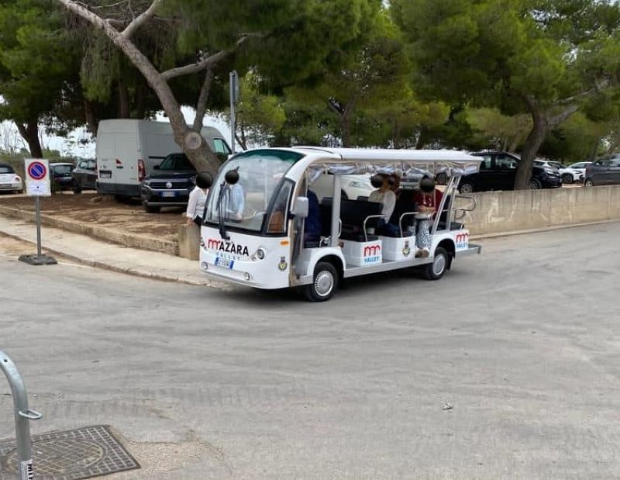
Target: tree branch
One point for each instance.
(561, 117)
(201, 106)
(207, 62)
(93, 18)
(141, 19)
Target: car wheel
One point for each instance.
(151, 208)
(535, 184)
(324, 283)
(441, 178)
(568, 179)
(466, 187)
(436, 270)
(588, 183)
(77, 189)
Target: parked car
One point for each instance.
(499, 170)
(353, 186)
(549, 163)
(9, 180)
(128, 150)
(605, 171)
(85, 176)
(61, 175)
(574, 173)
(169, 185)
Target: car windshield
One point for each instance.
(6, 169)
(245, 204)
(62, 169)
(556, 165)
(176, 162)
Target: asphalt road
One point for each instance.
(506, 368)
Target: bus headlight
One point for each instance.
(247, 277)
(205, 266)
(260, 254)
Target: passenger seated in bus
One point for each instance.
(427, 201)
(312, 223)
(386, 196)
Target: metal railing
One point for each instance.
(23, 415)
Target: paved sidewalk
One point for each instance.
(88, 251)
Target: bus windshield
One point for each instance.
(245, 204)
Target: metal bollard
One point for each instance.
(23, 415)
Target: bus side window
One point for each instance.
(277, 221)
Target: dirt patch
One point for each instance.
(92, 209)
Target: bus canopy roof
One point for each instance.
(350, 161)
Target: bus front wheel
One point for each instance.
(324, 283)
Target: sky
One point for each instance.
(73, 145)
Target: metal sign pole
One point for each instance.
(234, 98)
(37, 185)
(38, 208)
(23, 415)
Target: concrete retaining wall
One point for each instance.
(95, 231)
(496, 213)
(501, 212)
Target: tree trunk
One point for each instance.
(91, 118)
(396, 134)
(192, 143)
(30, 133)
(124, 106)
(422, 138)
(594, 149)
(241, 139)
(140, 103)
(533, 142)
(515, 143)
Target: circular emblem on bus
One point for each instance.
(169, 185)
(406, 249)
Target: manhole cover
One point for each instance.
(72, 455)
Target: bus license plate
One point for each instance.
(224, 262)
(168, 194)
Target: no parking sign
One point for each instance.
(37, 177)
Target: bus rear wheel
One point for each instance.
(441, 262)
(324, 283)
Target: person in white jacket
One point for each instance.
(197, 200)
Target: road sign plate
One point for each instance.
(37, 177)
(37, 170)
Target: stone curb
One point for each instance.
(136, 272)
(113, 236)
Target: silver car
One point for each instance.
(9, 180)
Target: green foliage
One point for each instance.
(38, 59)
(473, 49)
(258, 115)
(499, 131)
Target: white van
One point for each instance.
(128, 150)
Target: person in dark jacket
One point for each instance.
(312, 223)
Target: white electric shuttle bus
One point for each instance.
(261, 203)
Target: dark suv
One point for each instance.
(169, 185)
(604, 171)
(498, 171)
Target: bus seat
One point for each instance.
(353, 213)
